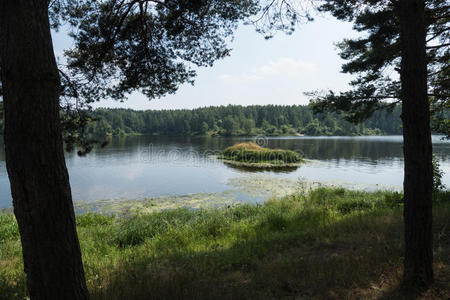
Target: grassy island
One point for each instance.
(252, 155)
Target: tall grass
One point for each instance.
(328, 243)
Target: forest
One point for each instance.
(59, 57)
(236, 120)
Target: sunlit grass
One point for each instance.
(328, 242)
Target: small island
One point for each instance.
(251, 155)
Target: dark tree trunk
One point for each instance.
(34, 153)
(417, 147)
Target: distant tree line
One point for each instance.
(236, 120)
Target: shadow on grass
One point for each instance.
(284, 249)
(337, 260)
(359, 256)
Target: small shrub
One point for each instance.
(8, 227)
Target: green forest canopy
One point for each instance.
(233, 120)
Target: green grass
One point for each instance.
(327, 243)
(248, 154)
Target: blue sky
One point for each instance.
(259, 71)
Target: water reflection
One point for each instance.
(151, 166)
(277, 170)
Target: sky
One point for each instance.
(258, 71)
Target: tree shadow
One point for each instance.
(357, 257)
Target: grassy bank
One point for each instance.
(327, 243)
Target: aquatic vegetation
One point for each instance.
(156, 204)
(266, 186)
(251, 188)
(301, 243)
(252, 155)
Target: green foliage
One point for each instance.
(230, 125)
(440, 114)
(236, 120)
(144, 45)
(120, 47)
(8, 227)
(376, 54)
(205, 128)
(437, 176)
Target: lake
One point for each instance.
(139, 167)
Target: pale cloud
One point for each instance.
(284, 67)
(262, 72)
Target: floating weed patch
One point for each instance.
(157, 204)
(244, 189)
(260, 185)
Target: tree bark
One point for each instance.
(34, 153)
(417, 148)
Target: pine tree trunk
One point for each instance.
(417, 147)
(34, 153)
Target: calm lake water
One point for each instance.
(142, 166)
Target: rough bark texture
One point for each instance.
(417, 148)
(34, 153)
